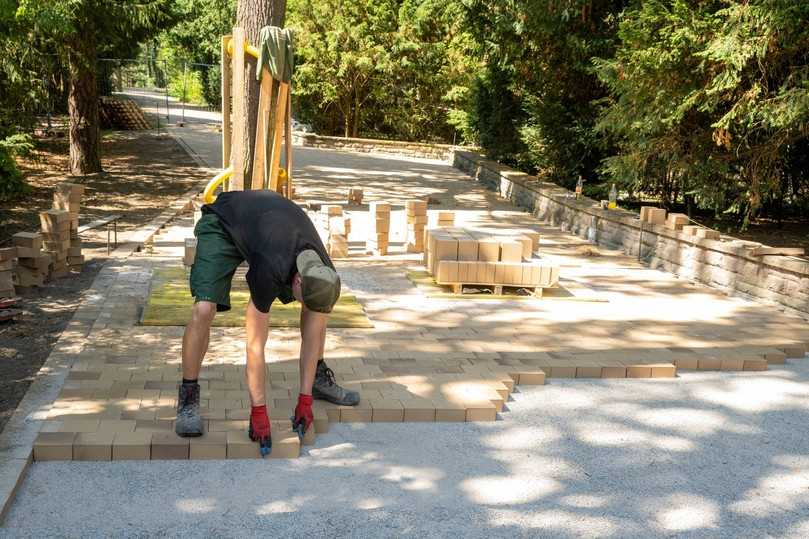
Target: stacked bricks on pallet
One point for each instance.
(56, 239)
(416, 223)
(355, 196)
(32, 264)
(456, 255)
(7, 257)
(67, 197)
(378, 228)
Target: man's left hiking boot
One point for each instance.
(325, 388)
(189, 420)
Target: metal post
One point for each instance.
(185, 84)
(166, 80)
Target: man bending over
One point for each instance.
(287, 261)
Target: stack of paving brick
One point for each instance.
(461, 256)
(416, 223)
(67, 197)
(378, 228)
(33, 265)
(355, 196)
(56, 239)
(190, 251)
(677, 222)
(7, 257)
(338, 237)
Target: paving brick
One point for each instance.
(285, 444)
(132, 446)
(93, 446)
(560, 371)
(418, 410)
(755, 364)
(117, 425)
(638, 371)
(663, 371)
(54, 446)
(688, 363)
(729, 364)
(361, 413)
(169, 446)
(211, 445)
(588, 372)
(386, 411)
(532, 378)
(80, 425)
(709, 364)
(481, 411)
(240, 446)
(449, 412)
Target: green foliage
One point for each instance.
(187, 85)
(711, 100)
(11, 181)
(539, 91)
(385, 68)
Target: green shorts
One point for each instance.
(214, 264)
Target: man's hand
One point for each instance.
(303, 415)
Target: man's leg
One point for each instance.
(195, 345)
(257, 329)
(196, 336)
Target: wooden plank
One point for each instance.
(288, 144)
(279, 114)
(262, 133)
(784, 251)
(99, 222)
(225, 83)
(239, 137)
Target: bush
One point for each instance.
(194, 89)
(11, 182)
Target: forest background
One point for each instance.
(693, 104)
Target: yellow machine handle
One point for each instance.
(248, 48)
(208, 195)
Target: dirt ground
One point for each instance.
(142, 172)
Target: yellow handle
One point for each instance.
(248, 48)
(207, 195)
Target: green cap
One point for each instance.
(320, 284)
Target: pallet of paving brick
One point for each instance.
(532, 276)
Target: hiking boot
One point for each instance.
(325, 388)
(189, 420)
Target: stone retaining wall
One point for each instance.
(724, 264)
(422, 150)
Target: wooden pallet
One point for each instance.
(122, 114)
(497, 289)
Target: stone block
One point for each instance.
(54, 446)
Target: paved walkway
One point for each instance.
(616, 458)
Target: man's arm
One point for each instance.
(256, 325)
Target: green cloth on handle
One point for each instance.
(275, 51)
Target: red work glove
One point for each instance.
(259, 423)
(303, 414)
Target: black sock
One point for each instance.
(187, 381)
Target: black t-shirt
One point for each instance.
(270, 231)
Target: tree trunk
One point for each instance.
(355, 125)
(82, 105)
(253, 15)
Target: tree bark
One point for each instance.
(253, 15)
(82, 104)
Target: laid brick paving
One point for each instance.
(426, 359)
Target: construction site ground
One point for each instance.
(698, 453)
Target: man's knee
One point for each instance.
(203, 313)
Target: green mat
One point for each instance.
(170, 302)
(425, 282)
